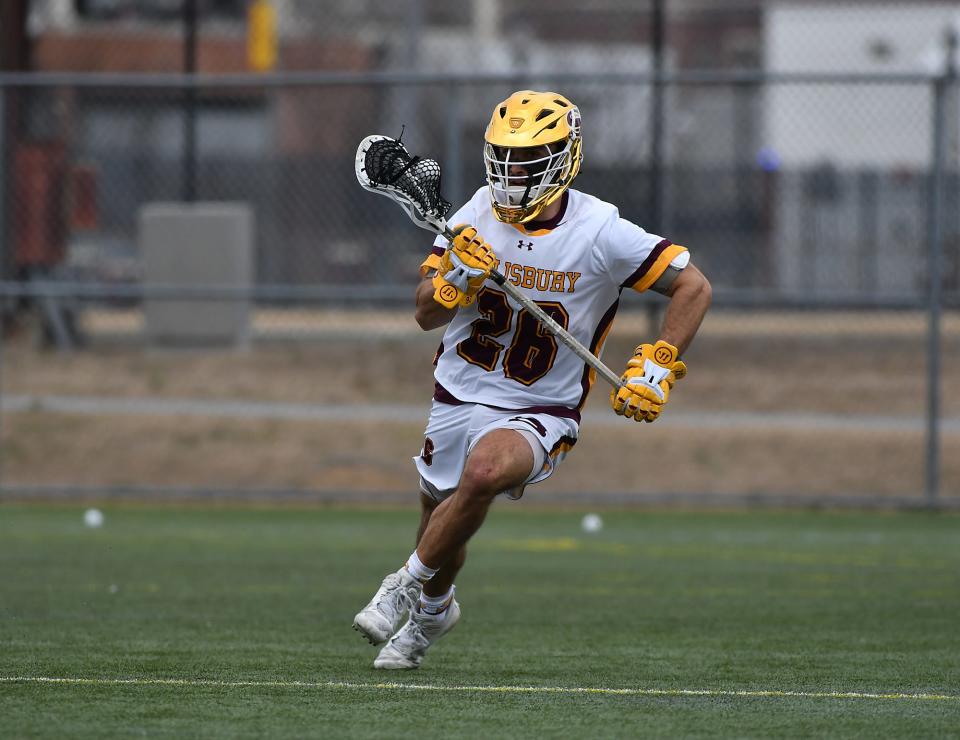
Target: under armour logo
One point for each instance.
(528, 245)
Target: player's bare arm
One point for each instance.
(654, 368)
(690, 297)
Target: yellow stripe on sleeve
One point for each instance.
(657, 268)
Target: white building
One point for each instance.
(850, 208)
(886, 125)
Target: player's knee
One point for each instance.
(478, 483)
(483, 477)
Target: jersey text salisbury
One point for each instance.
(546, 281)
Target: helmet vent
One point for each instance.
(543, 114)
(503, 111)
(524, 101)
(560, 103)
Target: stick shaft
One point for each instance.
(558, 331)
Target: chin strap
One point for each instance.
(526, 193)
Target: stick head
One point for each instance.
(385, 166)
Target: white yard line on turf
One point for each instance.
(569, 690)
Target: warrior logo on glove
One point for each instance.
(664, 354)
(646, 384)
(449, 294)
(464, 268)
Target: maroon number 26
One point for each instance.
(533, 350)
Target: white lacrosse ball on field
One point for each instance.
(591, 523)
(93, 518)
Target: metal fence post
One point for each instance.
(942, 84)
(654, 220)
(453, 167)
(655, 201)
(5, 207)
(189, 193)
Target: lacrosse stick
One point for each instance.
(385, 167)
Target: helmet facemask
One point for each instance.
(524, 180)
(532, 153)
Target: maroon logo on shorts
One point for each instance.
(427, 454)
(534, 422)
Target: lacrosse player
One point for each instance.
(508, 399)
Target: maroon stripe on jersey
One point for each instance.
(438, 251)
(436, 357)
(442, 395)
(647, 264)
(598, 335)
(564, 440)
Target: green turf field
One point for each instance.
(236, 622)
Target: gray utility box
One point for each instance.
(190, 245)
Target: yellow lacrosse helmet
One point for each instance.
(532, 153)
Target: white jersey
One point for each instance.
(495, 353)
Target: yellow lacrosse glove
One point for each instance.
(647, 381)
(463, 268)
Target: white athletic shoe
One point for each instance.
(386, 611)
(407, 648)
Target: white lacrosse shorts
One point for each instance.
(454, 430)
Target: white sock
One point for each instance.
(436, 607)
(418, 570)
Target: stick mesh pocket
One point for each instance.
(387, 162)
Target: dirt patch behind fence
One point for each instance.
(805, 364)
(42, 448)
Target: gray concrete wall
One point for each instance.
(187, 244)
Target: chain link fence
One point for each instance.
(820, 204)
